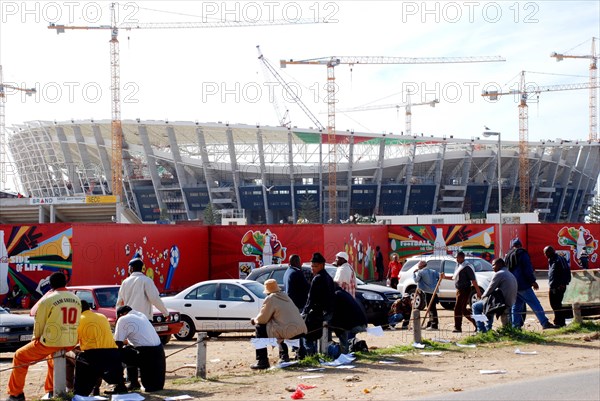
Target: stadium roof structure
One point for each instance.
(273, 174)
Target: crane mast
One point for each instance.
(334, 61)
(3, 133)
(593, 136)
(523, 92)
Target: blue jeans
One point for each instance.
(396, 318)
(527, 297)
(477, 308)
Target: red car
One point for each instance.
(103, 298)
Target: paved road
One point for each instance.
(573, 386)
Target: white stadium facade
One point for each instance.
(271, 173)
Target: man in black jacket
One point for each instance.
(348, 318)
(320, 302)
(296, 286)
(559, 276)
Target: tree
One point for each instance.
(212, 217)
(594, 211)
(308, 210)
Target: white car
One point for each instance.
(446, 265)
(217, 306)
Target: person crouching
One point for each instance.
(278, 318)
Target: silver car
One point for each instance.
(15, 330)
(446, 265)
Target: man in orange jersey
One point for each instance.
(54, 329)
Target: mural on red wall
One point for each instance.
(578, 240)
(476, 240)
(30, 253)
(265, 247)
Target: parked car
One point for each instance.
(15, 330)
(447, 265)
(375, 299)
(217, 306)
(103, 299)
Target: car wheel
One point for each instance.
(447, 305)
(213, 334)
(417, 298)
(473, 298)
(187, 331)
(165, 339)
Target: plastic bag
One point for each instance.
(388, 282)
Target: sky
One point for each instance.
(213, 74)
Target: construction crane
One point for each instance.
(116, 128)
(3, 135)
(407, 107)
(293, 95)
(593, 86)
(334, 61)
(524, 93)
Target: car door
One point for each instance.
(235, 307)
(447, 289)
(202, 305)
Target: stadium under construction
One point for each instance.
(175, 170)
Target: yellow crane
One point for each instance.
(334, 61)
(524, 92)
(116, 129)
(407, 110)
(593, 86)
(3, 136)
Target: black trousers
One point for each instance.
(151, 364)
(94, 364)
(433, 314)
(560, 314)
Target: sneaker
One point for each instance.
(404, 327)
(549, 326)
(48, 395)
(117, 389)
(392, 327)
(133, 386)
(430, 328)
(457, 331)
(20, 397)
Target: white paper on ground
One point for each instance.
(466, 345)
(310, 377)
(292, 343)
(215, 360)
(92, 398)
(435, 353)
(179, 397)
(345, 367)
(519, 352)
(441, 340)
(127, 397)
(286, 364)
(314, 369)
(480, 318)
(388, 362)
(260, 343)
(343, 359)
(376, 331)
(418, 345)
(492, 372)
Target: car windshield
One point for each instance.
(256, 288)
(331, 270)
(408, 264)
(481, 265)
(107, 297)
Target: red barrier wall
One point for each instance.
(359, 241)
(568, 239)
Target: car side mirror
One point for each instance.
(246, 298)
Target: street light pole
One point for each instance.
(487, 134)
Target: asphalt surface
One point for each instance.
(573, 386)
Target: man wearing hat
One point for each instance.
(344, 275)
(278, 318)
(320, 302)
(519, 264)
(144, 351)
(139, 292)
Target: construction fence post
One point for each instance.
(201, 355)
(60, 373)
(324, 341)
(416, 318)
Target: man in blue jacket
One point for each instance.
(427, 280)
(519, 264)
(559, 277)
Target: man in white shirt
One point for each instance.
(139, 292)
(344, 275)
(144, 350)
